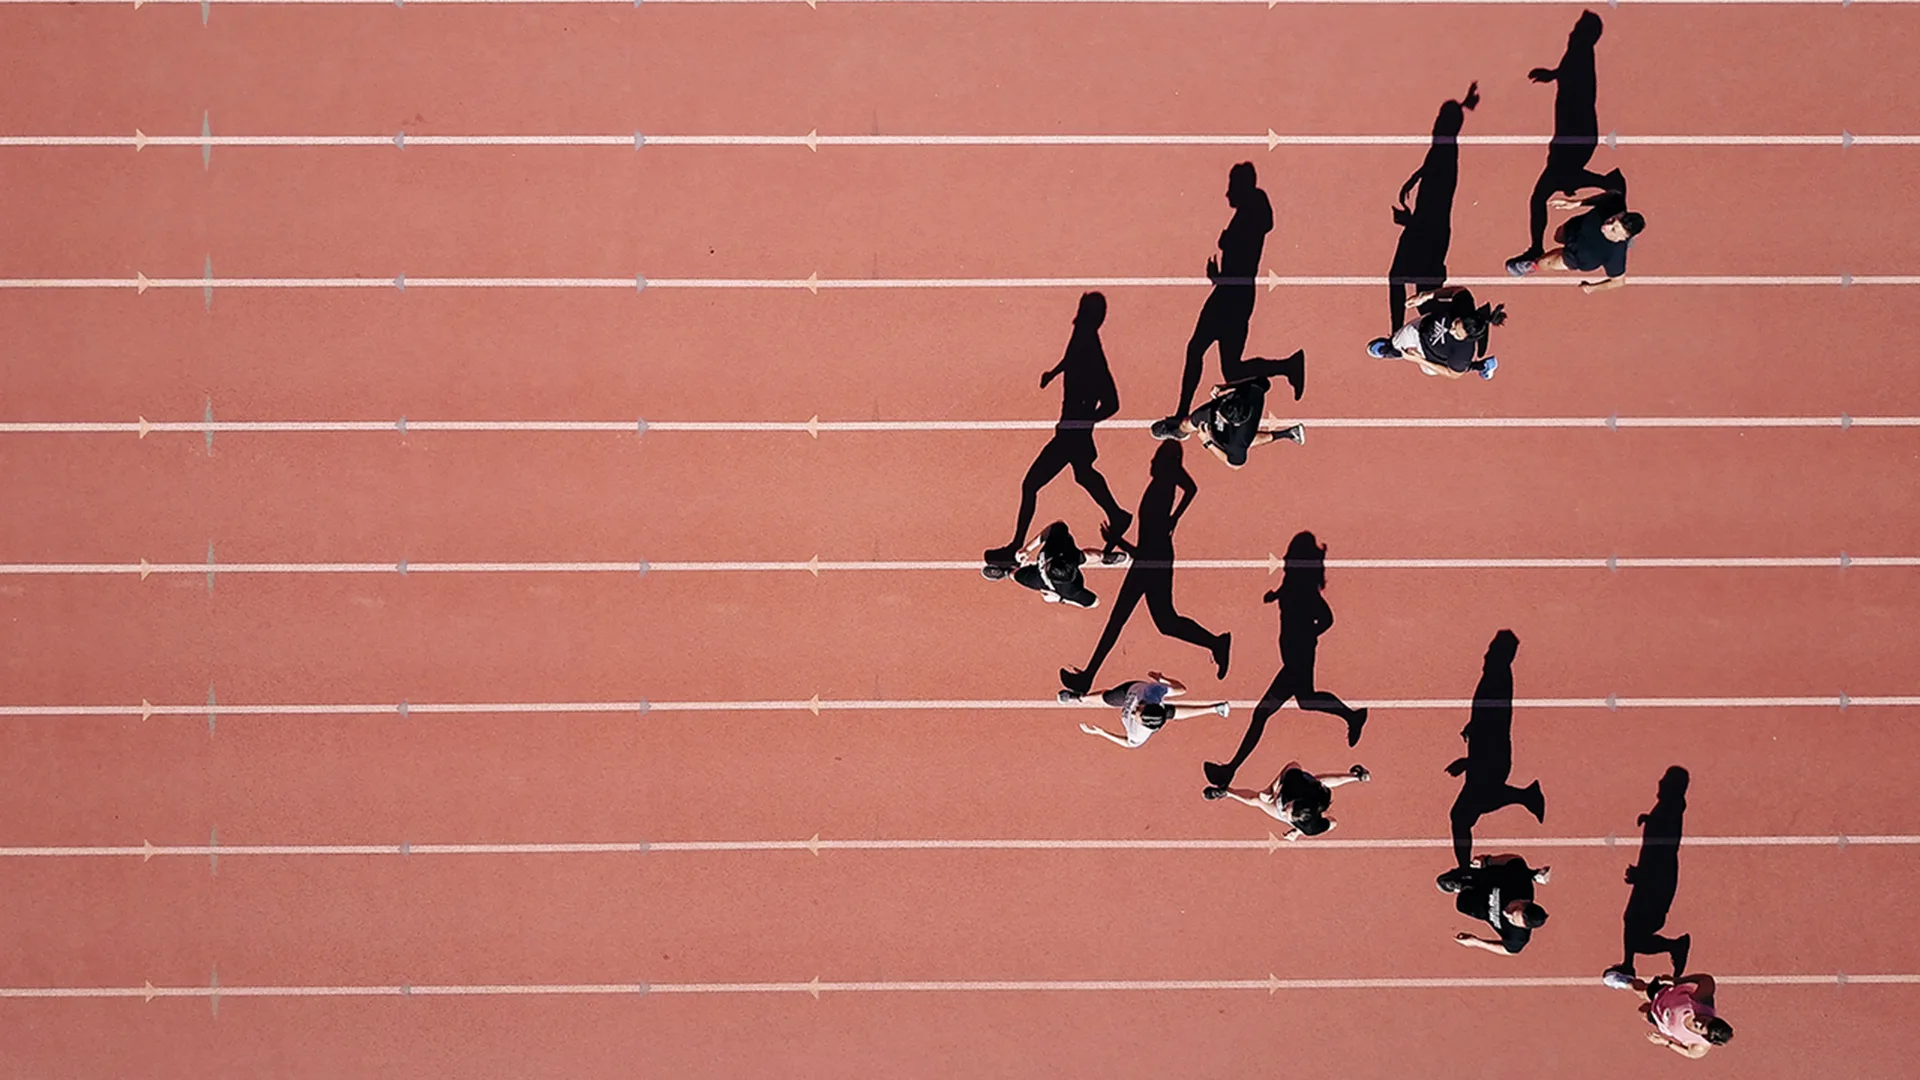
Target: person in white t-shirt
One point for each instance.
(1144, 708)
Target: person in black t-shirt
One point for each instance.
(1297, 798)
(1051, 565)
(1230, 423)
(1497, 890)
(1449, 338)
(1596, 239)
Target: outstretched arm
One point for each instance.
(1543, 75)
(1603, 286)
(1174, 686)
(1103, 733)
(1491, 945)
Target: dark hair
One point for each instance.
(1154, 715)
(1483, 319)
(1092, 312)
(1534, 916)
(1235, 407)
(1312, 803)
(1313, 824)
(1718, 1031)
(1633, 223)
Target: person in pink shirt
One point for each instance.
(1681, 1012)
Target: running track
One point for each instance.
(199, 957)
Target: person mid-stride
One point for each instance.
(1296, 798)
(1596, 239)
(1087, 396)
(1450, 336)
(1230, 423)
(1576, 136)
(1051, 565)
(1498, 890)
(1144, 708)
(1681, 1012)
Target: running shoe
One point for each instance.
(1223, 709)
(1296, 434)
(1382, 349)
(1168, 428)
(1068, 697)
(1617, 979)
(1521, 266)
(1493, 362)
(1212, 793)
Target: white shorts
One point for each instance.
(1407, 339)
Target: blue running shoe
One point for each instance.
(1381, 349)
(1493, 362)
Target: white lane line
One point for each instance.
(814, 283)
(816, 845)
(816, 705)
(816, 566)
(142, 427)
(1269, 4)
(1272, 984)
(1272, 140)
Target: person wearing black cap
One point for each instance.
(1230, 423)
(1050, 566)
(1498, 890)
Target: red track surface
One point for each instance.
(786, 917)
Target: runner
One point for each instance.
(1230, 423)
(1144, 709)
(1050, 566)
(1296, 797)
(1449, 338)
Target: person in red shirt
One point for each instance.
(1681, 1012)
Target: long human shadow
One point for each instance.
(1087, 397)
(1150, 575)
(1576, 129)
(1656, 877)
(1426, 230)
(1489, 760)
(1225, 317)
(1304, 616)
